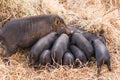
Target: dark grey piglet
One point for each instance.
(59, 48)
(78, 54)
(101, 54)
(42, 44)
(45, 58)
(68, 59)
(83, 44)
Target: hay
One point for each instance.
(93, 15)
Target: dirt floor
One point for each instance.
(92, 15)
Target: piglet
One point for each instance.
(78, 54)
(101, 54)
(68, 59)
(82, 43)
(45, 58)
(59, 48)
(41, 45)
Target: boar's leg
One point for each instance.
(5, 58)
(35, 64)
(9, 50)
(32, 60)
(108, 65)
(7, 53)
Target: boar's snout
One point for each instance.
(60, 26)
(68, 31)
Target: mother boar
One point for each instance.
(24, 32)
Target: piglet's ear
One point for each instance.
(57, 21)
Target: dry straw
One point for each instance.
(93, 15)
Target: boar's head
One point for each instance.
(59, 25)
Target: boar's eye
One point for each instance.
(57, 22)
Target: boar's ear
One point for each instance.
(57, 21)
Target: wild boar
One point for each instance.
(101, 54)
(41, 45)
(24, 32)
(59, 48)
(82, 43)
